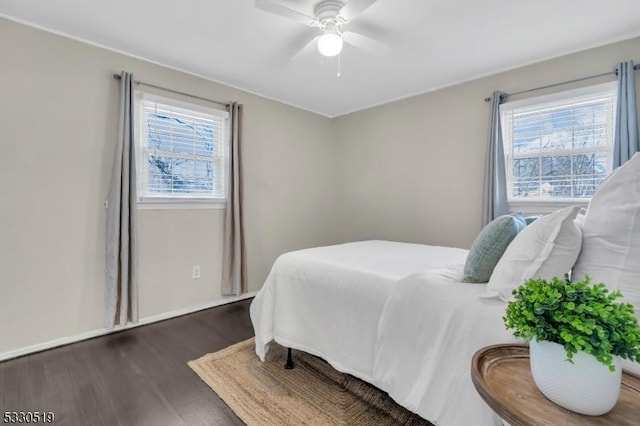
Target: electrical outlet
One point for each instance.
(195, 272)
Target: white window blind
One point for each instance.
(183, 151)
(558, 147)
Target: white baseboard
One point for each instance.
(104, 331)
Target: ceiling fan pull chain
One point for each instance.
(339, 65)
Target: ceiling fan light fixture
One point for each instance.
(330, 44)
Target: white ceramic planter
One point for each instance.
(585, 387)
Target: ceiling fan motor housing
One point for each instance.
(328, 14)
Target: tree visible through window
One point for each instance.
(183, 151)
(559, 147)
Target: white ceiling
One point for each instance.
(433, 43)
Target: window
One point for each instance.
(182, 155)
(558, 147)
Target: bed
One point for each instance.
(393, 314)
(398, 316)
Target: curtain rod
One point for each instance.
(635, 67)
(142, 83)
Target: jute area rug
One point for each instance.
(313, 393)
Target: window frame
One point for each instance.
(536, 205)
(171, 202)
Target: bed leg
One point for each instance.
(289, 364)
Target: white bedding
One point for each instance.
(393, 314)
(431, 326)
(327, 301)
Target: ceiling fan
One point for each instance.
(330, 16)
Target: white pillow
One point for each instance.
(611, 234)
(545, 249)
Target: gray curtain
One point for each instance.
(122, 247)
(494, 197)
(626, 141)
(234, 273)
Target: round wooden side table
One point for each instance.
(502, 377)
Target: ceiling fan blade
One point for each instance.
(353, 8)
(365, 43)
(307, 50)
(282, 10)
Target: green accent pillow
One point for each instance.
(489, 246)
(530, 219)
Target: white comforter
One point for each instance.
(392, 314)
(431, 326)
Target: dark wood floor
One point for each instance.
(136, 377)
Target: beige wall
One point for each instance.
(58, 108)
(412, 170)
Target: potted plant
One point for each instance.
(577, 333)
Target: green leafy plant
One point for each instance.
(577, 315)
